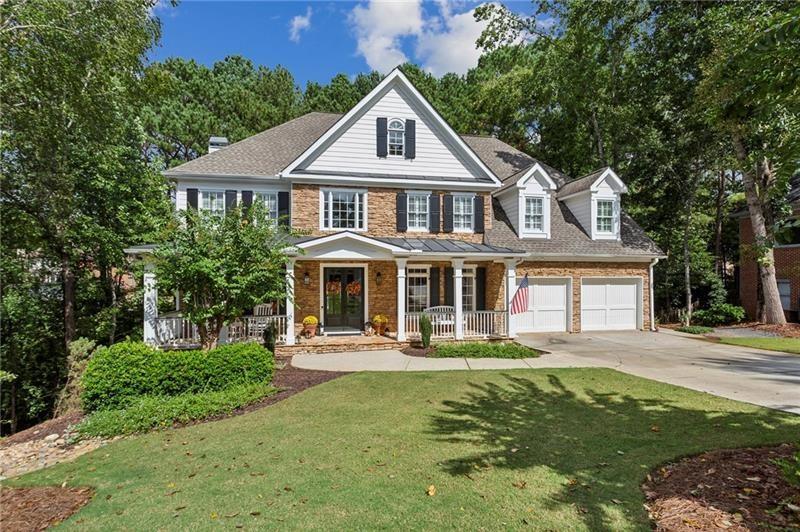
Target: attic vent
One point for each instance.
(217, 143)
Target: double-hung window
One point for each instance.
(605, 216)
(463, 212)
(397, 130)
(270, 202)
(468, 289)
(343, 209)
(418, 211)
(212, 201)
(418, 293)
(534, 214)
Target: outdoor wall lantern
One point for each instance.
(378, 278)
(306, 279)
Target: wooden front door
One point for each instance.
(344, 298)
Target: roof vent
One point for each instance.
(217, 143)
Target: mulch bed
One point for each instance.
(26, 509)
(789, 330)
(414, 351)
(37, 432)
(732, 489)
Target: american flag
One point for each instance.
(519, 303)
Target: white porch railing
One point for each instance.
(477, 324)
(250, 328)
(176, 331)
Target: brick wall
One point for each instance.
(381, 213)
(495, 284)
(787, 266)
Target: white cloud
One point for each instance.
(298, 24)
(443, 43)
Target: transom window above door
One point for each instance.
(418, 211)
(343, 209)
(396, 137)
(212, 201)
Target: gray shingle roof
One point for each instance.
(567, 236)
(581, 183)
(428, 245)
(508, 163)
(263, 154)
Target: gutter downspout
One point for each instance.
(652, 300)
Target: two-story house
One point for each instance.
(405, 216)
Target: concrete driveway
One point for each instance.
(765, 378)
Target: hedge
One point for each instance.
(152, 412)
(483, 350)
(117, 375)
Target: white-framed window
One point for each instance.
(468, 289)
(417, 288)
(534, 214)
(605, 216)
(270, 202)
(397, 132)
(344, 209)
(463, 212)
(418, 211)
(785, 292)
(212, 201)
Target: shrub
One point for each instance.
(117, 375)
(425, 330)
(150, 412)
(69, 399)
(720, 314)
(484, 350)
(695, 329)
(271, 336)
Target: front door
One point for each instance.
(344, 298)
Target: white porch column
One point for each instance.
(401, 299)
(458, 297)
(290, 302)
(150, 305)
(511, 288)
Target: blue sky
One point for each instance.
(317, 40)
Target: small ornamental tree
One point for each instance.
(222, 265)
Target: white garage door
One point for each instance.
(609, 304)
(547, 306)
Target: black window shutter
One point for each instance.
(478, 214)
(449, 286)
(480, 288)
(433, 209)
(411, 139)
(402, 212)
(230, 200)
(247, 198)
(283, 208)
(381, 134)
(434, 286)
(191, 198)
(447, 221)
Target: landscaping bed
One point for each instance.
(34, 509)
(732, 489)
(473, 350)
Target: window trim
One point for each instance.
(402, 130)
(615, 224)
(257, 193)
(784, 282)
(544, 214)
(418, 193)
(471, 197)
(202, 191)
(419, 275)
(323, 215)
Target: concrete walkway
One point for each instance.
(765, 378)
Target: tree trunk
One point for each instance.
(719, 262)
(68, 277)
(598, 139)
(209, 333)
(687, 258)
(765, 258)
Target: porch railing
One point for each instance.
(177, 331)
(477, 324)
(250, 328)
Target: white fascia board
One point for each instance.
(394, 75)
(592, 258)
(382, 181)
(212, 177)
(622, 189)
(351, 236)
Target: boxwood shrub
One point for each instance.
(117, 375)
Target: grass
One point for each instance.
(483, 350)
(787, 345)
(556, 449)
(695, 329)
(151, 412)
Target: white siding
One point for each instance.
(354, 150)
(581, 207)
(510, 203)
(223, 184)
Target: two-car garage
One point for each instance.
(605, 303)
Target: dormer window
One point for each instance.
(396, 137)
(605, 216)
(534, 214)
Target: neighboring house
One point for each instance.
(403, 215)
(787, 262)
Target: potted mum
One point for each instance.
(310, 326)
(379, 323)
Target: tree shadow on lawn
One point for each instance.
(601, 444)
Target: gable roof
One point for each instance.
(507, 162)
(263, 154)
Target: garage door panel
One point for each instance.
(593, 319)
(621, 318)
(547, 306)
(609, 303)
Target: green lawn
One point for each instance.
(787, 345)
(561, 449)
